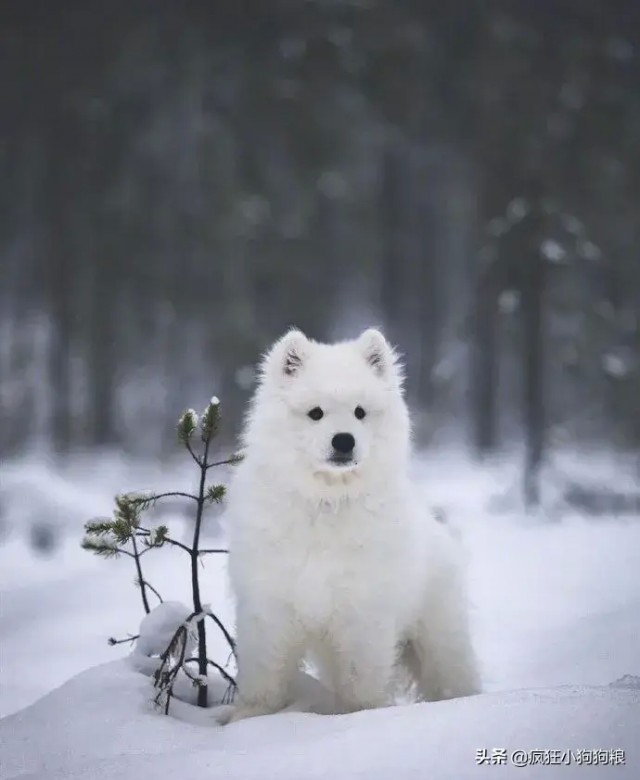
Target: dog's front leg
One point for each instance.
(361, 666)
(268, 657)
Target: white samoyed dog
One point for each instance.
(331, 556)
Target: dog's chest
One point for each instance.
(336, 566)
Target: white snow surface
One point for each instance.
(556, 616)
(100, 726)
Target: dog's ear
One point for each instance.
(380, 355)
(288, 355)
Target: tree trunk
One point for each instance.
(430, 288)
(533, 283)
(485, 356)
(392, 239)
(57, 259)
(102, 357)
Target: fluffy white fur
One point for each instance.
(335, 562)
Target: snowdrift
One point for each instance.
(100, 725)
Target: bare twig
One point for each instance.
(165, 675)
(230, 691)
(112, 641)
(223, 672)
(153, 590)
(193, 455)
(167, 540)
(212, 552)
(173, 542)
(143, 588)
(227, 635)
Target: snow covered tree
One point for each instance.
(127, 534)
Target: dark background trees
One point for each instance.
(182, 181)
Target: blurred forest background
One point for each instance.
(182, 181)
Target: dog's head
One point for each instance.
(332, 412)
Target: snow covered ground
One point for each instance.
(99, 726)
(556, 617)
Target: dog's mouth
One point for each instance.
(342, 460)
(338, 469)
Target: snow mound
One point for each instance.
(157, 629)
(159, 626)
(100, 725)
(627, 681)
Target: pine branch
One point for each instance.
(187, 425)
(106, 548)
(232, 461)
(146, 532)
(144, 502)
(98, 527)
(215, 493)
(210, 423)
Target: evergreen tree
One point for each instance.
(127, 534)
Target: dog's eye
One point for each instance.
(316, 413)
(360, 413)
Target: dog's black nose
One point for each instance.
(343, 443)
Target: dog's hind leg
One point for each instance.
(443, 658)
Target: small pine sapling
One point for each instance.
(124, 534)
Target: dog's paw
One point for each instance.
(224, 714)
(231, 713)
